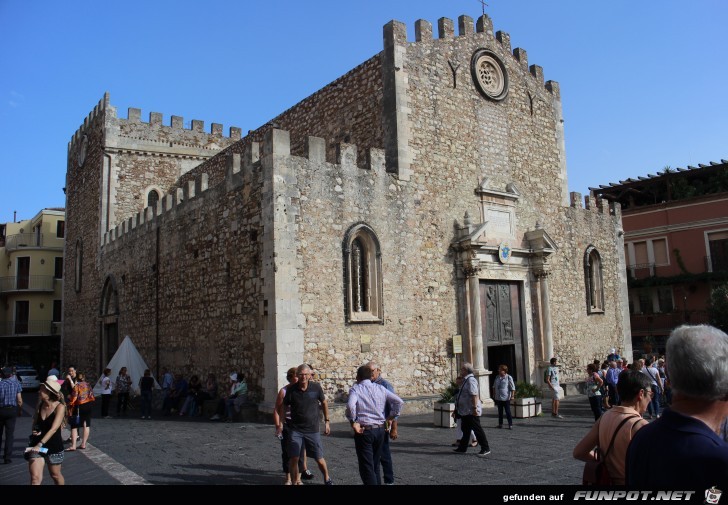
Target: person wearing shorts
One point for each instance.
(46, 434)
(552, 380)
(305, 398)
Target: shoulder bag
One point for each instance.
(595, 472)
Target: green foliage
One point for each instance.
(448, 395)
(684, 278)
(718, 182)
(526, 390)
(679, 260)
(718, 307)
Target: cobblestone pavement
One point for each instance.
(180, 450)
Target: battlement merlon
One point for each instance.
(192, 189)
(591, 203)
(277, 143)
(102, 106)
(177, 123)
(155, 120)
(446, 30)
(239, 171)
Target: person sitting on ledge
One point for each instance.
(230, 404)
(177, 395)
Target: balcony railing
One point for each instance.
(641, 270)
(27, 283)
(13, 242)
(664, 323)
(29, 328)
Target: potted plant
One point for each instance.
(445, 406)
(525, 403)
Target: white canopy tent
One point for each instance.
(127, 356)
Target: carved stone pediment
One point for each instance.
(498, 210)
(542, 246)
(541, 242)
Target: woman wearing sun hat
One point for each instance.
(47, 422)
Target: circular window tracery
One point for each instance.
(489, 74)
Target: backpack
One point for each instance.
(546, 376)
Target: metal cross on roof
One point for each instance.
(482, 2)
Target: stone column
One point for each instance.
(548, 338)
(471, 270)
(548, 344)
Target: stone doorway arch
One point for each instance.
(108, 320)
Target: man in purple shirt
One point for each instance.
(387, 465)
(365, 411)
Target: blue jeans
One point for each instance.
(504, 405)
(595, 402)
(146, 401)
(387, 467)
(654, 407)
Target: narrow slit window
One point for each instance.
(594, 283)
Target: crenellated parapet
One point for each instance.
(467, 27)
(156, 119)
(166, 208)
(102, 107)
(591, 203)
(153, 136)
(241, 172)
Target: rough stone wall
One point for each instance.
(347, 110)
(579, 337)
(457, 139)
(145, 155)
(123, 158)
(80, 342)
(199, 256)
(418, 317)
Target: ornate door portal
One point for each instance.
(502, 329)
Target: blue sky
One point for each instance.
(642, 82)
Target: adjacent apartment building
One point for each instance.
(31, 275)
(675, 244)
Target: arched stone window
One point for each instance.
(152, 198)
(362, 275)
(79, 266)
(593, 279)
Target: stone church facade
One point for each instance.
(414, 211)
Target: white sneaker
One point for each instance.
(216, 417)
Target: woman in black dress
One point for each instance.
(49, 417)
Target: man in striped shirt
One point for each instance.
(365, 411)
(11, 403)
(387, 465)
